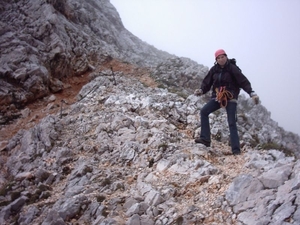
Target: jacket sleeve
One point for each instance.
(207, 81)
(241, 79)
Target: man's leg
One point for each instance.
(234, 137)
(208, 108)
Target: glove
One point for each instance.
(198, 92)
(255, 97)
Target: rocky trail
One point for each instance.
(207, 190)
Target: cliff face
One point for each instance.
(111, 138)
(43, 42)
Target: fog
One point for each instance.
(264, 37)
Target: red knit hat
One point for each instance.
(220, 52)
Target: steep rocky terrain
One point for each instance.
(44, 42)
(98, 127)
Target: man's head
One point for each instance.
(221, 57)
(220, 52)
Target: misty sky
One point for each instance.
(264, 37)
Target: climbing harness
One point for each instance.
(223, 96)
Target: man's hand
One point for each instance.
(198, 92)
(255, 97)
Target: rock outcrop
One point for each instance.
(123, 151)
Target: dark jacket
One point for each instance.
(230, 76)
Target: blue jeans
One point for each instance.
(212, 106)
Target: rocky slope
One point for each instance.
(120, 149)
(124, 154)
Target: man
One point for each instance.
(225, 79)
